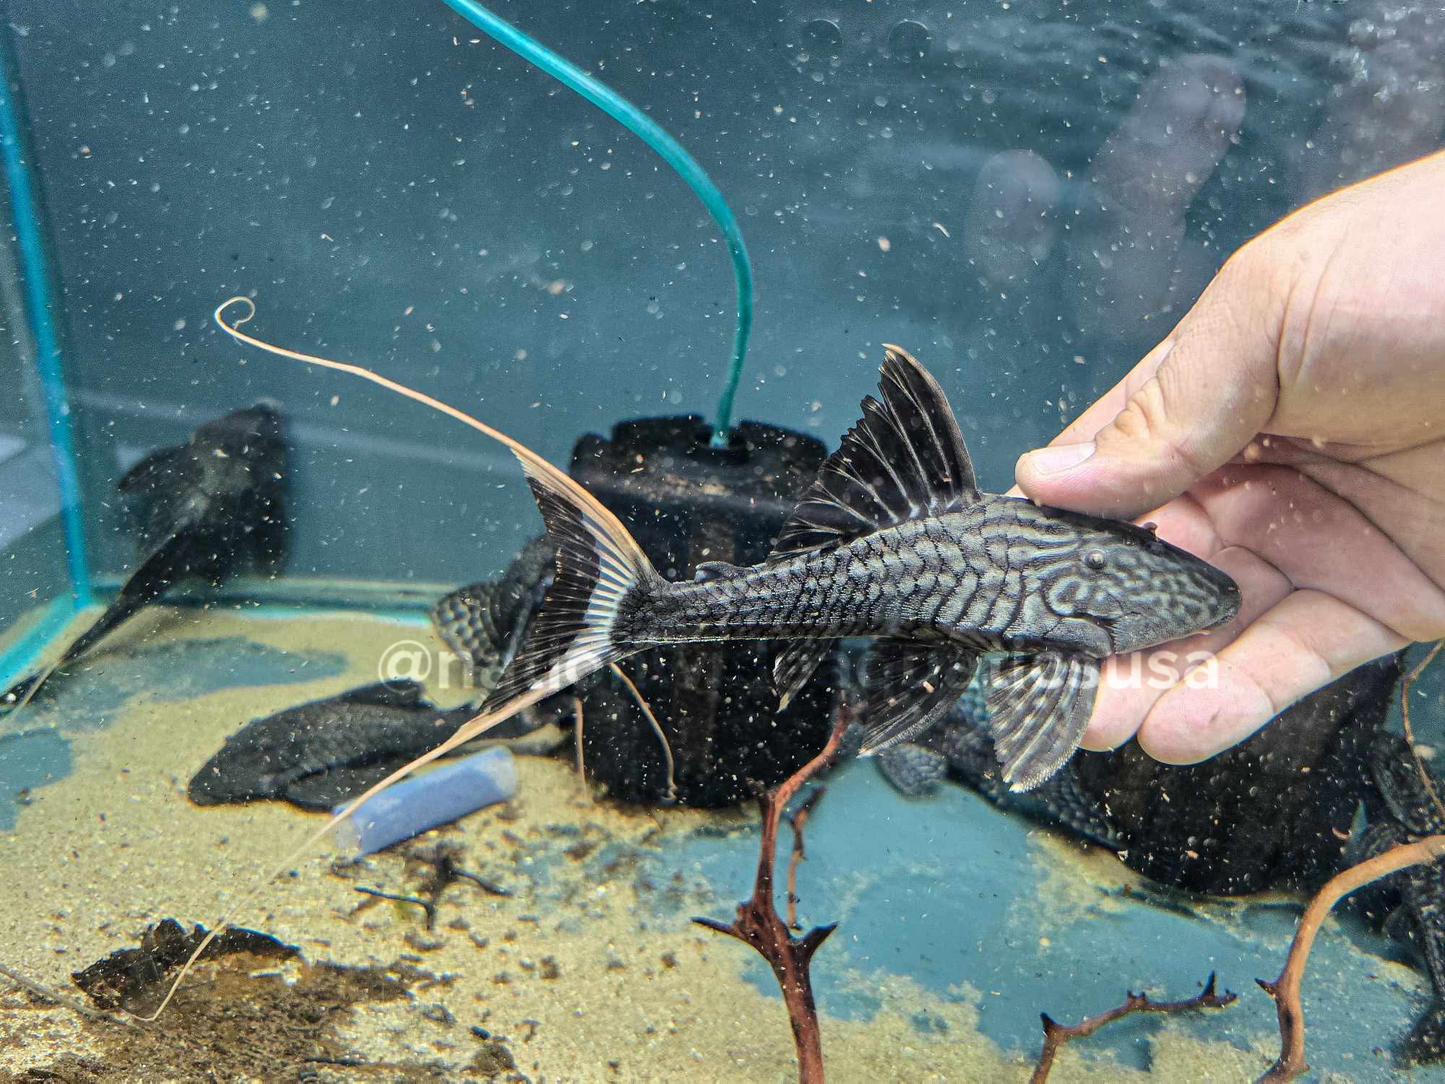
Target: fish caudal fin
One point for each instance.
(599, 565)
(601, 572)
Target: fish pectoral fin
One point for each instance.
(909, 686)
(466, 620)
(399, 693)
(912, 770)
(324, 790)
(1038, 708)
(794, 665)
(147, 491)
(904, 459)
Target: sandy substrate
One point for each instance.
(590, 971)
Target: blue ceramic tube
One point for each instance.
(439, 797)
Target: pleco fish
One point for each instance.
(893, 541)
(323, 752)
(206, 508)
(485, 623)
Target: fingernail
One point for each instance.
(1060, 457)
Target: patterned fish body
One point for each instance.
(324, 752)
(1004, 574)
(485, 623)
(311, 747)
(894, 541)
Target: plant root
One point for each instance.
(758, 923)
(1056, 1034)
(1286, 989)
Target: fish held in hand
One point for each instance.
(893, 541)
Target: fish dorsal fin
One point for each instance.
(711, 570)
(910, 684)
(904, 459)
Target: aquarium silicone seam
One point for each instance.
(39, 304)
(651, 133)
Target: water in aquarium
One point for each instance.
(457, 621)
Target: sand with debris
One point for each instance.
(590, 970)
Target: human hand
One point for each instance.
(1292, 429)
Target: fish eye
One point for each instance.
(1095, 559)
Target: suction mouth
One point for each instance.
(1230, 597)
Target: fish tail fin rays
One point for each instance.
(1039, 707)
(602, 574)
(599, 564)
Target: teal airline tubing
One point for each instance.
(651, 133)
(40, 307)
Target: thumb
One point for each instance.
(1190, 406)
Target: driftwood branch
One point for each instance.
(1286, 989)
(1056, 1034)
(796, 820)
(757, 923)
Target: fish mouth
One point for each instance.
(1229, 600)
(1214, 602)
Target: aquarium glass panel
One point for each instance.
(316, 316)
